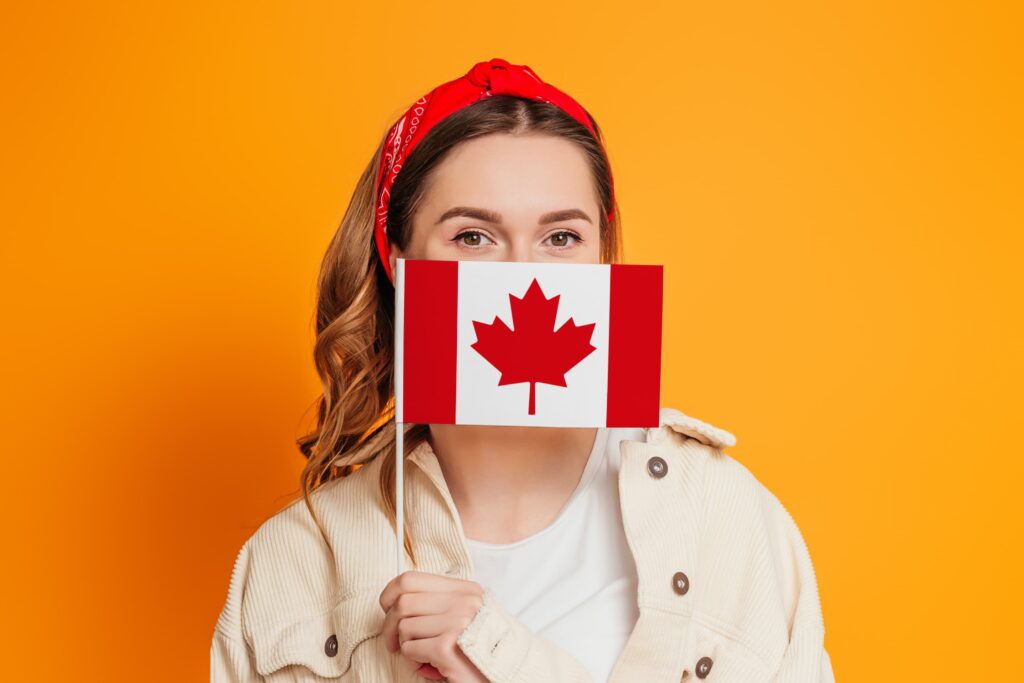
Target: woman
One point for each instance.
(538, 554)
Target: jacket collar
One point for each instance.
(669, 419)
(424, 457)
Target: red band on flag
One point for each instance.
(634, 346)
(431, 291)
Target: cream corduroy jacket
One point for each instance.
(726, 589)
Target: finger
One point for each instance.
(412, 605)
(429, 672)
(403, 583)
(427, 651)
(428, 626)
(418, 582)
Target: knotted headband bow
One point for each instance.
(493, 77)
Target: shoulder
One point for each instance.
(290, 591)
(729, 488)
(748, 535)
(726, 482)
(698, 447)
(290, 544)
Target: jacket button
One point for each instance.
(331, 646)
(657, 467)
(680, 583)
(704, 667)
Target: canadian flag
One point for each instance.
(527, 343)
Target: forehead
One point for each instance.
(525, 172)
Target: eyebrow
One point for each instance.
(494, 217)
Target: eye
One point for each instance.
(560, 239)
(475, 237)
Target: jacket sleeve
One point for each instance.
(230, 655)
(805, 659)
(506, 651)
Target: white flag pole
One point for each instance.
(399, 432)
(399, 485)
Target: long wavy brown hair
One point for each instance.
(354, 349)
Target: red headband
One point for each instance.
(494, 77)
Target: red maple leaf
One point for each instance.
(534, 351)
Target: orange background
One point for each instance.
(835, 191)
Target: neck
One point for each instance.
(510, 482)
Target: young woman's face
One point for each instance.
(508, 198)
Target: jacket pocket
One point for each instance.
(322, 644)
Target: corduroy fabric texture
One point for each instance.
(297, 612)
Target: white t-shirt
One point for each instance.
(573, 582)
